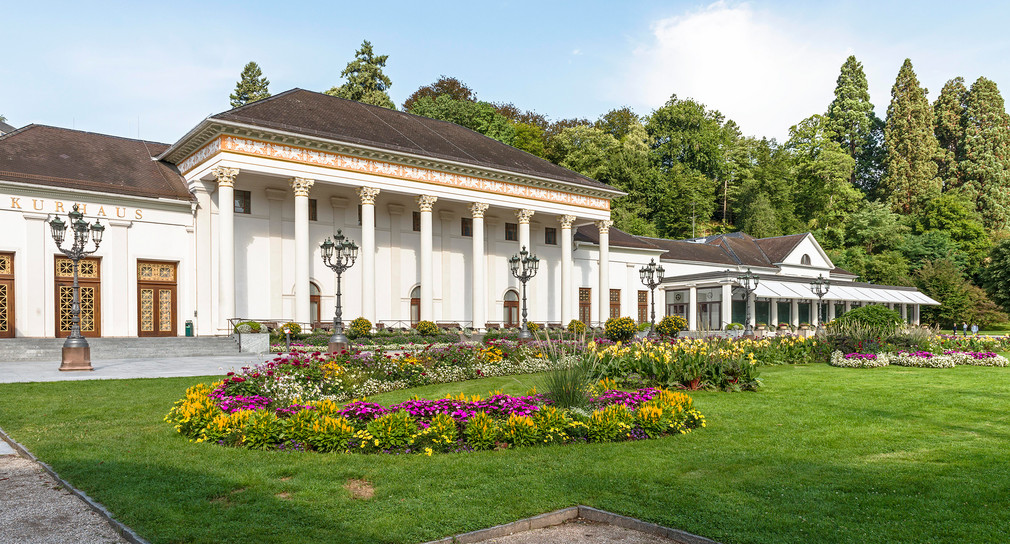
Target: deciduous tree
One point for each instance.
(454, 88)
(996, 275)
(366, 83)
(480, 117)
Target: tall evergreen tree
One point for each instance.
(365, 81)
(851, 116)
(252, 86)
(910, 181)
(986, 162)
(948, 125)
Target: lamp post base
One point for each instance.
(337, 347)
(76, 358)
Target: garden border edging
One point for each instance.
(558, 517)
(96, 506)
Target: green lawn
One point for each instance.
(820, 454)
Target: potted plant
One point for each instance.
(252, 337)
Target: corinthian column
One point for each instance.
(425, 203)
(367, 195)
(301, 186)
(479, 314)
(524, 217)
(226, 243)
(604, 297)
(567, 305)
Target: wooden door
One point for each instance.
(157, 303)
(6, 295)
(585, 305)
(511, 309)
(90, 281)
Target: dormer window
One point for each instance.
(805, 259)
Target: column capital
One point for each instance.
(225, 176)
(524, 216)
(604, 226)
(425, 202)
(368, 194)
(301, 186)
(566, 221)
(477, 209)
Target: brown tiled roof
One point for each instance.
(681, 250)
(324, 116)
(59, 157)
(618, 238)
(743, 248)
(842, 272)
(779, 247)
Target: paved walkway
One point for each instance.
(113, 369)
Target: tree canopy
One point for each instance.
(252, 86)
(366, 83)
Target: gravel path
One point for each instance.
(579, 530)
(37, 510)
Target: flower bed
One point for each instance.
(427, 426)
(921, 359)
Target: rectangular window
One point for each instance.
(643, 306)
(417, 221)
(615, 303)
(313, 210)
(466, 226)
(512, 232)
(243, 200)
(551, 236)
(359, 216)
(585, 305)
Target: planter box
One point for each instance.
(253, 342)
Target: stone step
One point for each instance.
(27, 349)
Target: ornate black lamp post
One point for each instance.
(820, 288)
(338, 255)
(652, 276)
(524, 267)
(749, 283)
(76, 351)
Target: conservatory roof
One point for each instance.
(853, 292)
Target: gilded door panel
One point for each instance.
(156, 298)
(6, 295)
(89, 280)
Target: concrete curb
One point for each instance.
(558, 517)
(118, 527)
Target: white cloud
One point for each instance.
(763, 72)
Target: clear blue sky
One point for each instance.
(101, 66)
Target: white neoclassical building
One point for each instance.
(226, 223)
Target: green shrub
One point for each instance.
(262, 430)
(610, 423)
(873, 316)
(247, 327)
(571, 376)
(317, 340)
(291, 326)
(734, 326)
(481, 431)
(360, 327)
(393, 430)
(519, 431)
(671, 325)
(620, 329)
(577, 327)
(427, 328)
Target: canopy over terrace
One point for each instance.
(710, 301)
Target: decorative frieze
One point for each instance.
(339, 161)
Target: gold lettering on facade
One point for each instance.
(38, 204)
(101, 211)
(59, 206)
(120, 212)
(83, 207)
(138, 215)
(15, 203)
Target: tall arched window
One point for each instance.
(511, 308)
(314, 306)
(415, 305)
(805, 259)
